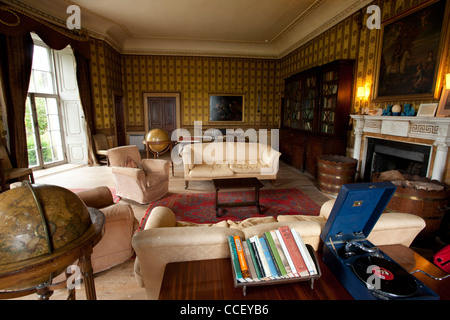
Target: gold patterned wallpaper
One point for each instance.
(197, 77)
(193, 77)
(339, 42)
(106, 70)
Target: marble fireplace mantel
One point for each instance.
(434, 129)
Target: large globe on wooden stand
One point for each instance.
(155, 136)
(36, 221)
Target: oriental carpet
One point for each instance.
(199, 207)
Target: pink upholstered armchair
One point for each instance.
(140, 180)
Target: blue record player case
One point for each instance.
(365, 271)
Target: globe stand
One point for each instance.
(156, 154)
(60, 259)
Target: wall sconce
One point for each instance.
(447, 81)
(367, 90)
(361, 94)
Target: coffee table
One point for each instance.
(237, 183)
(213, 280)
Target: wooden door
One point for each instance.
(162, 113)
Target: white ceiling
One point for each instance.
(245, 28)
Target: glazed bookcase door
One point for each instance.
(309, 102)
(316, 109)
(330, 86)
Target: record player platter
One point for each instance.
(384, 277)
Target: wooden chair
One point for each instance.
(8, 173)
(101, 147)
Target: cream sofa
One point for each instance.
(207, 161)
(164, 240)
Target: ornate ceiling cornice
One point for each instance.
(274, 48)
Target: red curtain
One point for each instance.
(16, 59)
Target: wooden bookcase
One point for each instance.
(315, 114)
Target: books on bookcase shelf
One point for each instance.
(277, 256)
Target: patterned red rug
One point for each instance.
(199, 208)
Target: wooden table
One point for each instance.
(213, 280)
(237, 183)
(57, 262)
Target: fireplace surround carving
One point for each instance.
(434, 132)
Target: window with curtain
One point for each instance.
(42, 117)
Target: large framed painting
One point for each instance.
(411, 49)
(226, 108)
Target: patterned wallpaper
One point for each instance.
(338, 42)
(106, 69)
(197, 77)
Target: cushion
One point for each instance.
(250, 222)
(130, 163)
(247, 167)
(155, 179)
(222, 224)
(209, 171)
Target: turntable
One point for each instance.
(365, 271)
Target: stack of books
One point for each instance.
(278, 254)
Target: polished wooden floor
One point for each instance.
(119, 283)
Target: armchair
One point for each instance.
(8, 173)
(140, 180)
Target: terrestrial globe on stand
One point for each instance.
(158, 142)
(39, 223)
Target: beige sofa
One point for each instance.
(165, 240)
(206, 161)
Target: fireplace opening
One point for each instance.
(384, 155)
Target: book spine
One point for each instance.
(268, 256)
(265, 266)
(275, 255)
(235, 259)
(283, 260)
(241, 258)
(286, 253)
(294, 251)
(258, 264)
(305, 253)
(251, 266)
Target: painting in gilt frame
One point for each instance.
(226, 108)
(410, 48)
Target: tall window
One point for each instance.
(42, 118)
